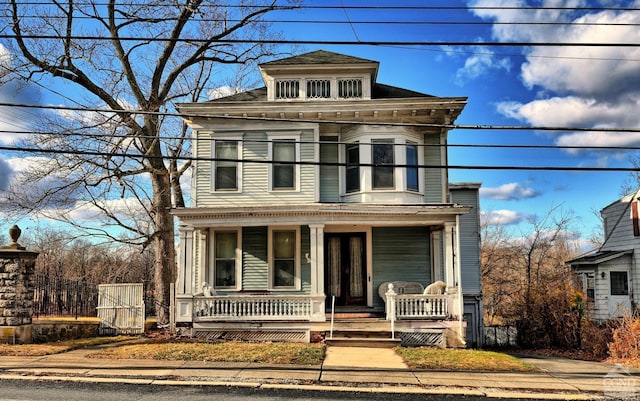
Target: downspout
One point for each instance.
(457, 264)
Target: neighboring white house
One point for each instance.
(609, 277)
(318, 190)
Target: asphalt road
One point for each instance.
(19, 390)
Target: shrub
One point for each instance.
(625, 344)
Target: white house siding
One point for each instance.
(603, 289)
(433, 178)
(400, 253)
(255, 176)
(620, 226)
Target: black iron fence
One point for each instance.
(56, 296)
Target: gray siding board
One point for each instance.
(400, 254)
(469, 240)
(432, 176)
(255, 266)
(329, 175)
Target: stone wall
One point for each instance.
(16, 289)
(51, 330)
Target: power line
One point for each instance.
(321, 142)
(331, 42)
(314, 163)
(326, 120)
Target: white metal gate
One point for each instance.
(121, 309)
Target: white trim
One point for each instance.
(297, 263)
(230, 138)
(284, 136)
(210, 274)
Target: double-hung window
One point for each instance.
(225, 264)
(284, 248)
(352, 168)
(284, 169)
(382, 157)
(412, 166)
(225, 177)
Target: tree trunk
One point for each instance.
(163, 242)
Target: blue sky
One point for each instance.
(513, 86)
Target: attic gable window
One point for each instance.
(318, 88)
(350, 88)
(287, 89)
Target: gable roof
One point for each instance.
(319, 57)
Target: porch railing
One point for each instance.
(416, 306)
(254, 307)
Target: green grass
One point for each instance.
(461, 360)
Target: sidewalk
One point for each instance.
(344, 369)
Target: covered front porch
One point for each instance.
(346, 255)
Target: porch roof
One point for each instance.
(598, 257)
(325, 213)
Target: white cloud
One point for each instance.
(510, 191)
(502, 217)
(222, 91)
(578, 86)
(481, 63)
(123, 208)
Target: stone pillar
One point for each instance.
(17, 268)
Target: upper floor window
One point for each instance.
(225, 175)
(350, 88)
(412, 166)
(287, 89)
(352, 167)
(382, 158)
(283, 168)
(318, 88)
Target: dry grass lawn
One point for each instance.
(269, 353)
(55, 347)
(461, 360)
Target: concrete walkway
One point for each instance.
(344, 369)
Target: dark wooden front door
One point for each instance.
(346, 269)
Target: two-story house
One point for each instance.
(609, 277)
(310, 195)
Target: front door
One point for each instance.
(619, 300)
(345, 269)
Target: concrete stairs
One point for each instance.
(360, 331)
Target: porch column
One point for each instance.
(317, 258)
(317, 271)
(185, 261)
(200, 274)
(449, 255)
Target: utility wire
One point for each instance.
(326, 120)
(314, 163)
(321, 142)
(329, 42)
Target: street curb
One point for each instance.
(307, 387)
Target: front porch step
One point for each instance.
(368, 342)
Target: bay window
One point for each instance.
(382, 158)
(412, 166)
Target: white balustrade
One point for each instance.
(418, 306)
(254, 307)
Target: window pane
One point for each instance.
(284, 274)
(412, 172)
(287, 89)
(284, 244)
(226, 170)
(225, 273)
(619, 283)
(353, 167)
(318, 88)
(382, 164)
(284, 174)
(225, 259)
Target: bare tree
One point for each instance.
(124, 64)
(526, 281)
